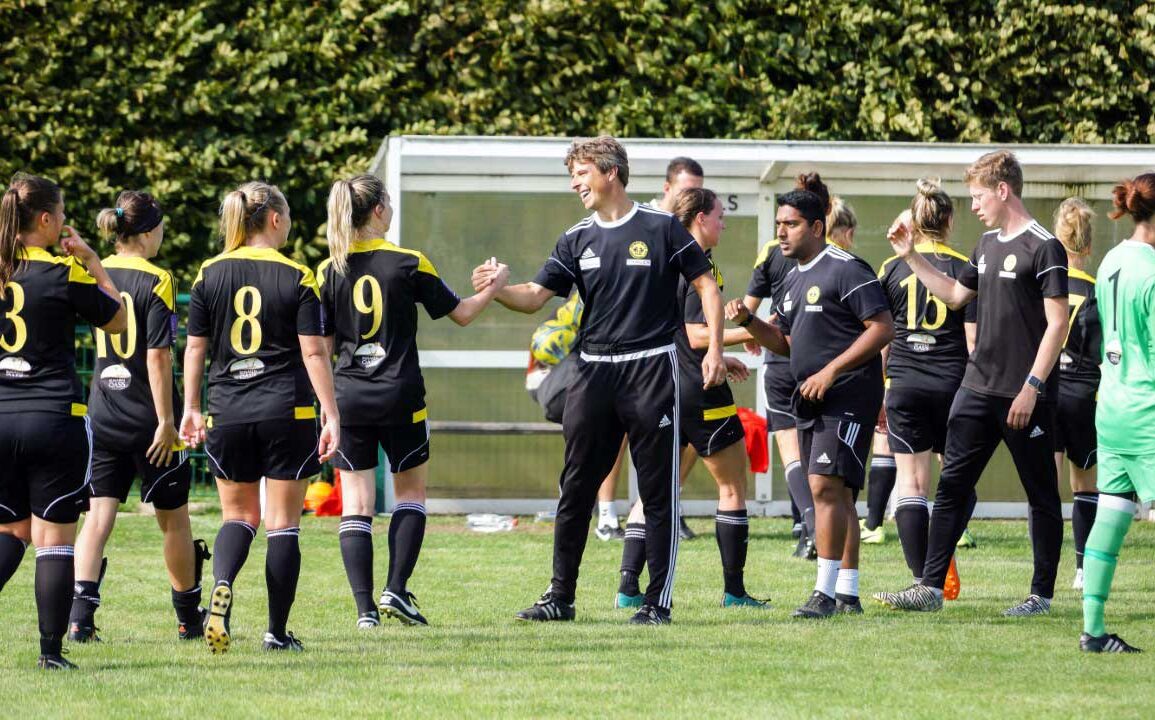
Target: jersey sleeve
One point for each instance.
(559, 271)
(783, 319)
(1051, 269)
(161, 320)
(861, 290)
(308, 305)
(968, 274)
(431, 291)
(762, 280)
(686, 255)
(88, 300)
(326, 288)
(692, 313)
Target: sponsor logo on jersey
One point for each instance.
(1065, 359)
(1037, 432)
(589, 261)
(116, 377)
(665, 422)
(787, 303)
(1008, 270)
(246, 369)
(824, 459)
(982, 264)
(369, 355)
(638, 254)
(15, 367)
(920, 342)
(1114, 351)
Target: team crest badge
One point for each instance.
(638, 250)
(813, 294)
(1009, 263)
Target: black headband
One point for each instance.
(146, 221)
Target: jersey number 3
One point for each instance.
(247, 304)
(19, 327)
(123, 344)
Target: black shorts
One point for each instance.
(113, 471)
(1075, 428)
(710, 429)
(406, 445)
(45, 461)
(833, 446)
(916, 418)
(277, 449)
(779, 383)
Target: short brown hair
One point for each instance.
(994, 168)
(603, 151)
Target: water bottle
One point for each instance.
(490, 522)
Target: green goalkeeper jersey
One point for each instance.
(1125, 294)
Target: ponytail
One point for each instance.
(812, 182)
(245, 211)
(135, 213)
(931, 211)
(26, 197)
(351, 204)
(1073, 225)
(1134, 197)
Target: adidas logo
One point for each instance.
(665, 421)
(589, 253)
(1038, 431)
(824, 458)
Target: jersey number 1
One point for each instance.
(251, 297)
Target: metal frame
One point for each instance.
(748, 173)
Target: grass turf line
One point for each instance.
(475, 661)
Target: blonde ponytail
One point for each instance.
(931, 211)
(351, 204)
(245, 211)
(1073, 225)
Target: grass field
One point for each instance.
(474, 661)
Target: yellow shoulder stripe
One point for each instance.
(321, 271)
(77, 273)
(423, 264)
(765, 252)
(940, 249)
(165, 287)
(882, 267)
(1080, 275)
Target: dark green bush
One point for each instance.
(187, 99)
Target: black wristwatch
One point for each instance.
(1036, 383)
(749, 319)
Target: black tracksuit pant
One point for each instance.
(637, 395)
(977, 424)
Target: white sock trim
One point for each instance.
(1114, 502)
(827, 576)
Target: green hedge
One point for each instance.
(187, 99)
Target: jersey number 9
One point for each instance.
(911, 285)
(19, 327)
(247, 297)
(371, 306)
(123, 344)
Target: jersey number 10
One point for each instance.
(123, 344)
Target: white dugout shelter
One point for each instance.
(746, 175)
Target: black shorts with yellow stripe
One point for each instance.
(114, 469)
(274, 449)
(406, 444)
(710, 420)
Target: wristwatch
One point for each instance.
(749, 319)
(1036, 383)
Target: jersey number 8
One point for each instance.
(123, 344)
(251, 297)
(911, 285)
(372, 305)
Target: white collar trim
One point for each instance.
(616, 223)
(813, 260)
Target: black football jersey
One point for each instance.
(689, 359)
(766, 282)
(371, 311)
(823, 306)
(1012, 275)
(1079, 361)
(929, 349)
(120, 400)
(38, 332)
(627, 272)
(252, 303)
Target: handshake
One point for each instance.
(490, 274)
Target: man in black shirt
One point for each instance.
(833, 321)
(1018, 273)
(625, 259)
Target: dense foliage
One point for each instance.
(190, 98)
